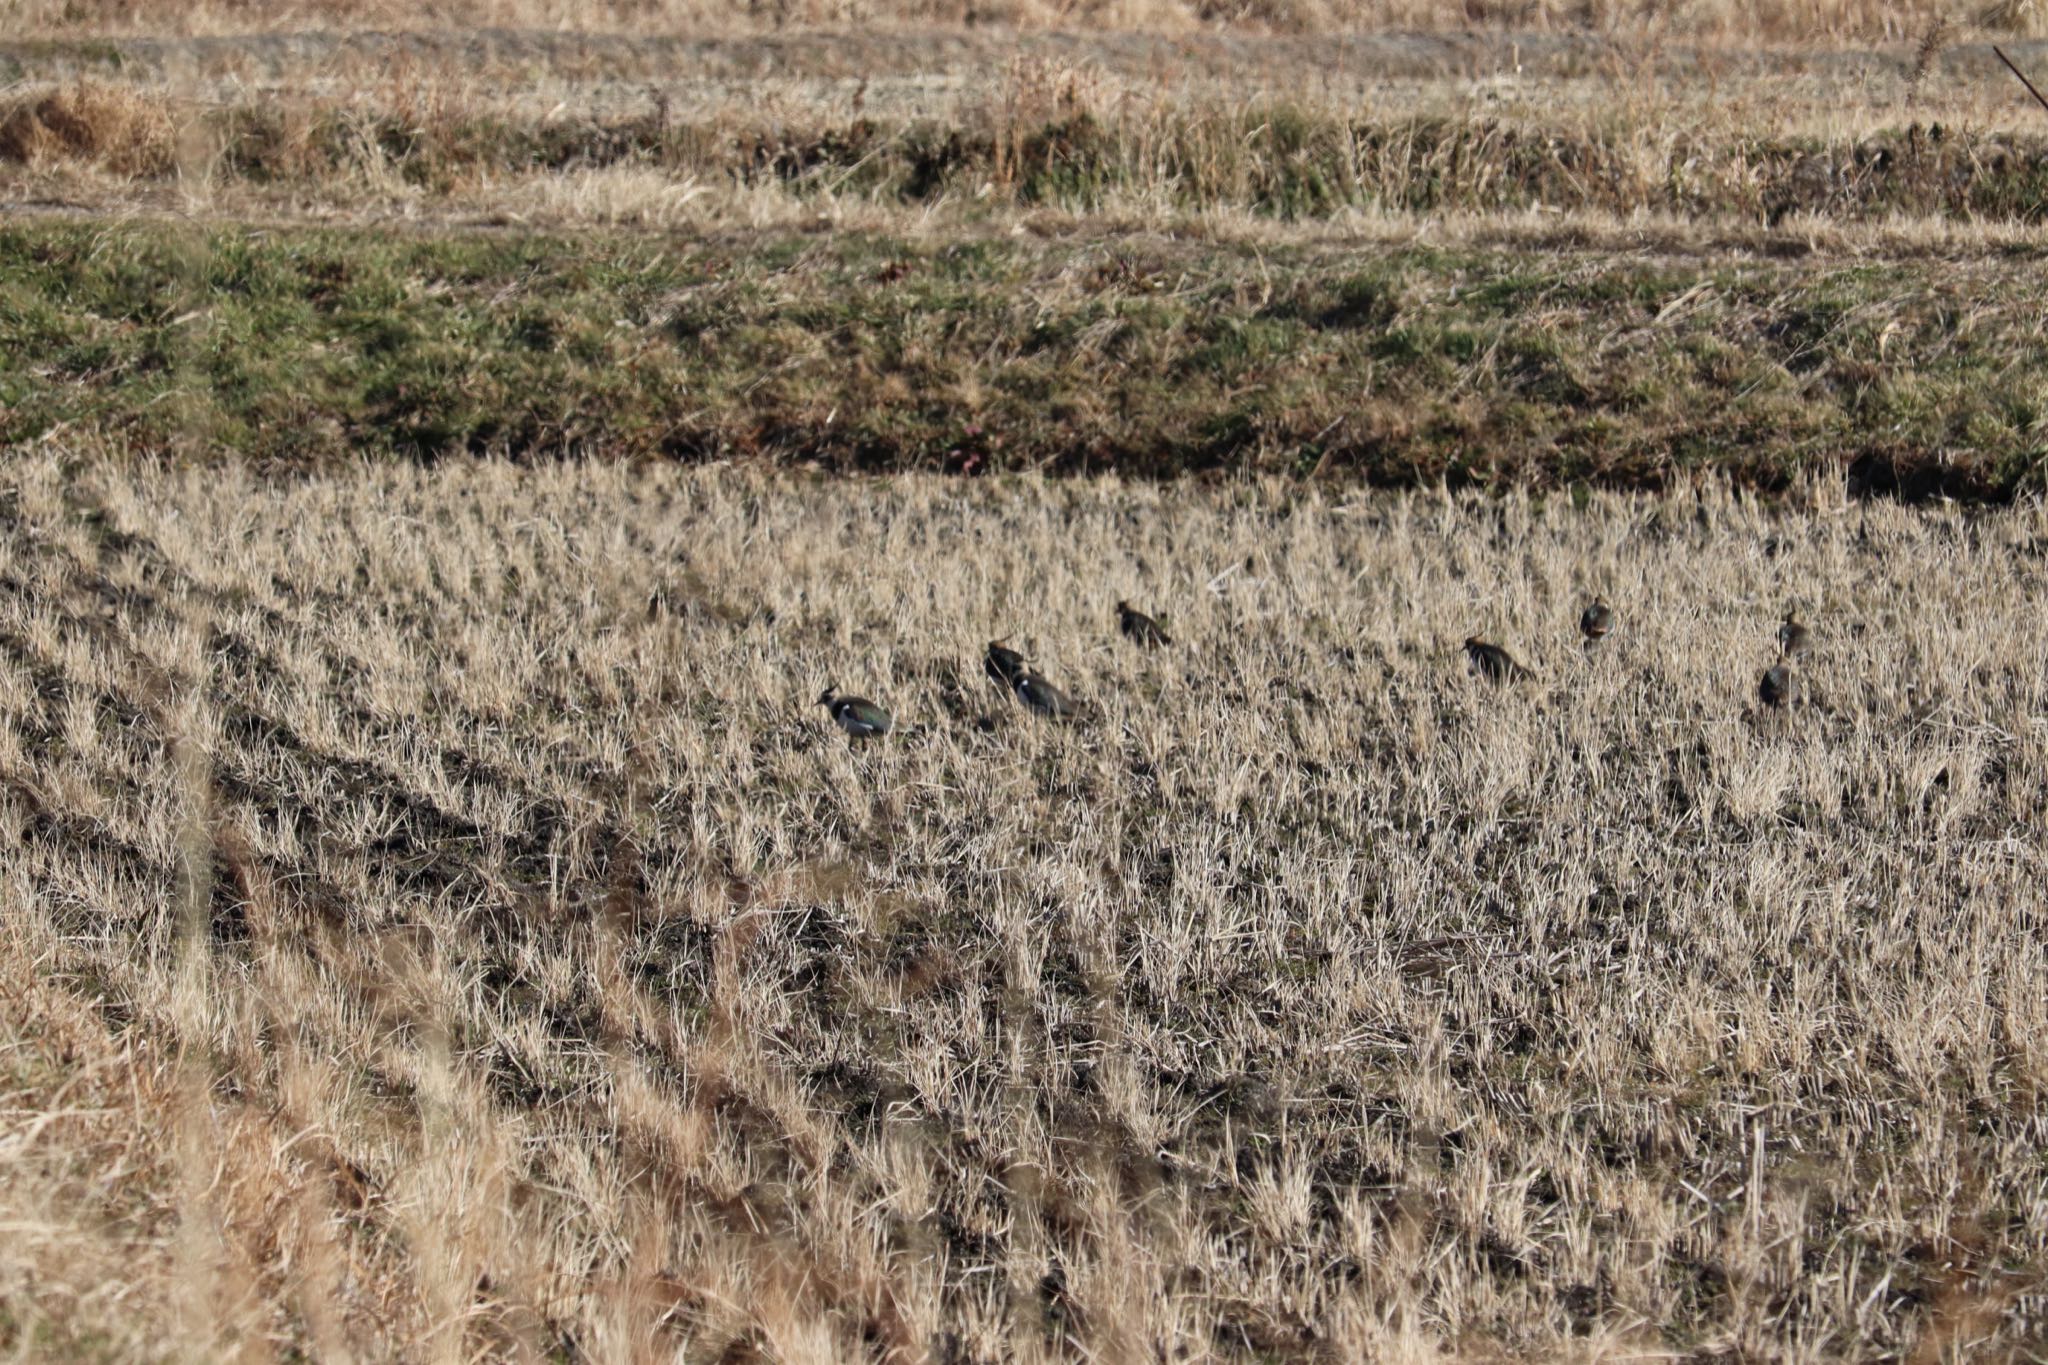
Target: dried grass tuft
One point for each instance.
(1938, 34)
(120, 129)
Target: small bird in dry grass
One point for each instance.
(1596, 620)
(1042, 697)
(1791, 637)
(1002, 664)
(1493, 661)
(1140, 627)
(858, 716)
(1774, 689)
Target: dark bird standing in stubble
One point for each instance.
(1002, 664)
(1140, 627)
(1009, 670)
(1596, 621)
(1042, 697)
(1792, 637)
(1495, 663)
(1774, 689)
(858, 716)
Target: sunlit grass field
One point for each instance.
(1395, 364)
(446, 452)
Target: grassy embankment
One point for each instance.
(1401, 365)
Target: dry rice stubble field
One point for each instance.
(442, 923)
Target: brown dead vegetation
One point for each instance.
(1745, 21)
(111, 128)
(441, 927)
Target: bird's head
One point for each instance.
(828, 696)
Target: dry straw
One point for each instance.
(569, 978)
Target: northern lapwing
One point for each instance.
(1138, 626)
(1002, 664)
(1491, 660)
(1792, 637)
(1774, 689)
(857, 716)
(1041, 697)
(1596, 621)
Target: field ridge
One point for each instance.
(1397, 366)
